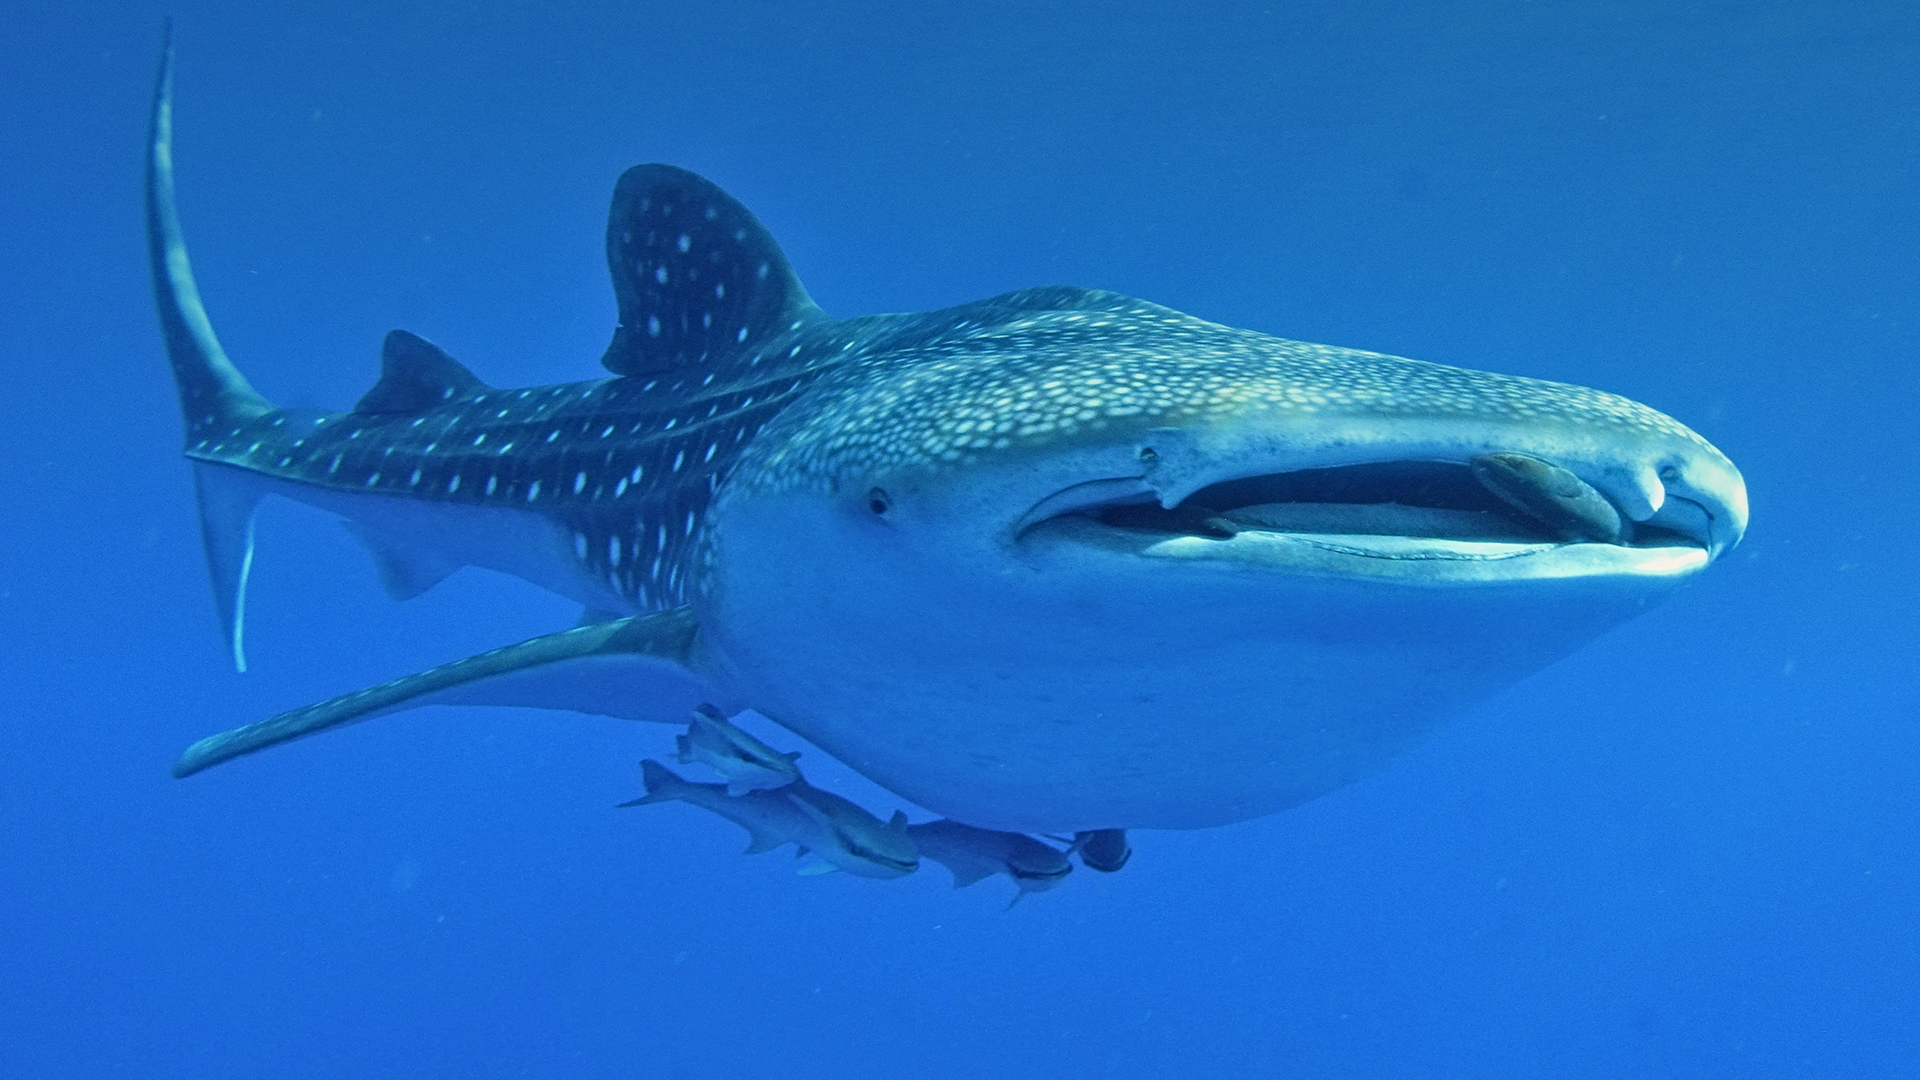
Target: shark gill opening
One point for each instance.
(1419, 499)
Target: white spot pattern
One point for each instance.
(941, 389)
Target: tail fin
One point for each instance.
(663, 784)
(214, 397)
(212, 391)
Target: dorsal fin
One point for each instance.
(696, 276)
(416, 375)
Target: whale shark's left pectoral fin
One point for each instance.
(633, 668)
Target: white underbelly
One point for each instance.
(1135, 696)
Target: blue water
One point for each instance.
(1688, 851)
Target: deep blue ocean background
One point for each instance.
(1687, 851)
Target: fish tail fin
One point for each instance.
(214, 396)
(761, 840)
(662, 784)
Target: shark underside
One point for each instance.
(1056, 561)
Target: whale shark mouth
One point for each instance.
(1394, 510)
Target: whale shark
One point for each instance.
(1058, 561)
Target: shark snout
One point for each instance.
(1701, 498)
(1704, 497)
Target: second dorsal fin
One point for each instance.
(698, 279)
(416, 375)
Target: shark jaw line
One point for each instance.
(1422, 514)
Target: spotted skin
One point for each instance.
(726, 373)
(627, 466)
(630, 465)
(696, 277)
(1044, 367)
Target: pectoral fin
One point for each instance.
(633, 668)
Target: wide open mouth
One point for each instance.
(1445, 503)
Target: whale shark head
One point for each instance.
(1170, 549)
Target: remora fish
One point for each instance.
(840, 834)
(975, 552)
(744, 762)
(1105, 850)
(771, 819)
(973, 854)
(848, 838)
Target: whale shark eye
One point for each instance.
(878, 502)
(1149, 456)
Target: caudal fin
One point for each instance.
(662, 783)
(213, 394)
(215, 399)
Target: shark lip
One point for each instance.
(1048, 877)
(904, 866)
(1398, 511)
